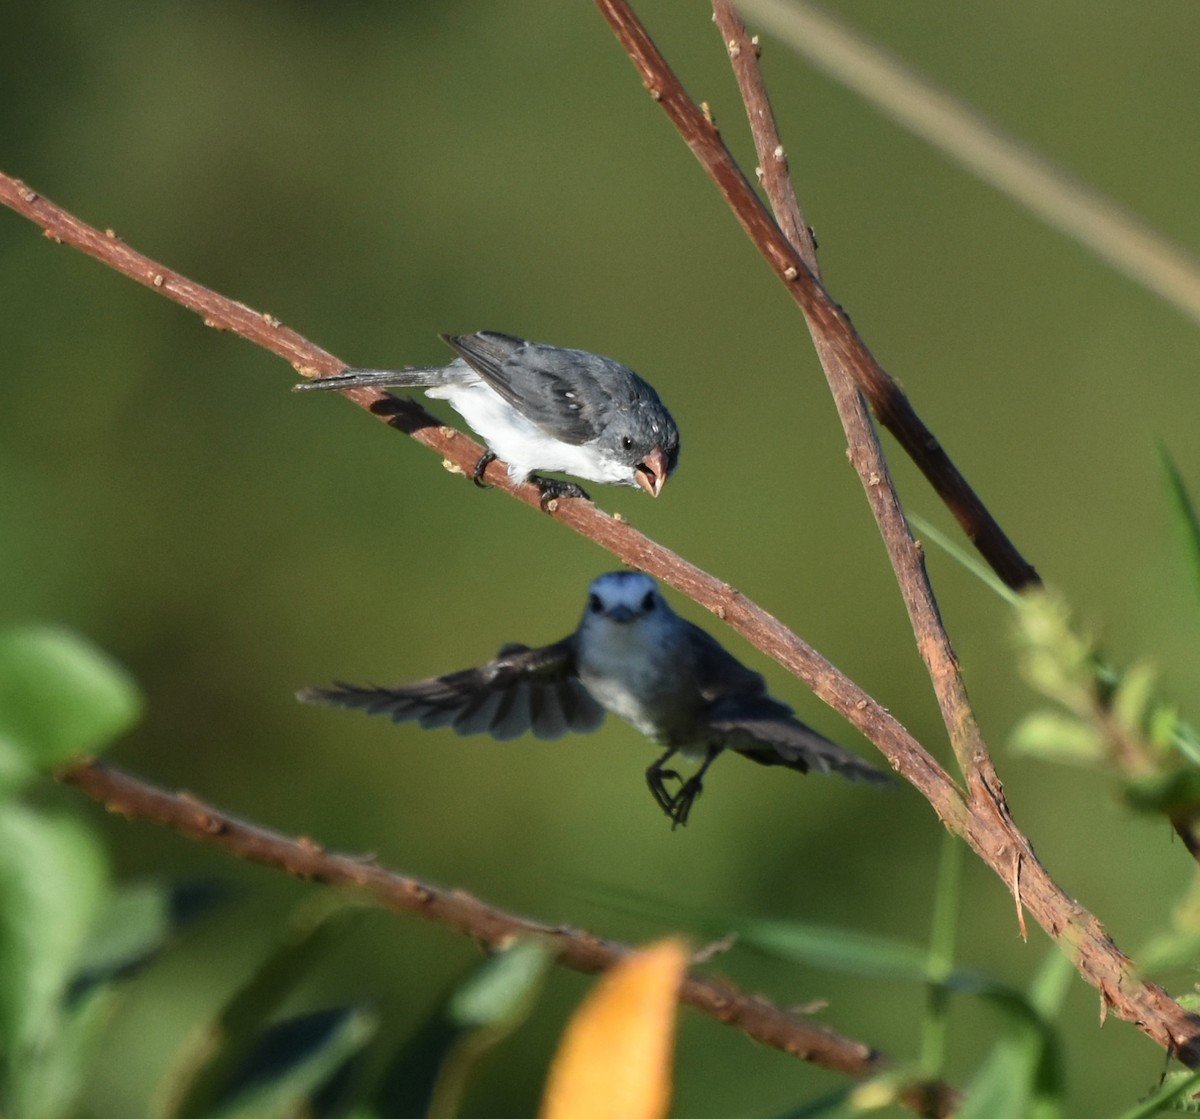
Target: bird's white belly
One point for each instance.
(520, 443)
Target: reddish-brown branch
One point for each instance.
(986, 827)
(984, 820)
(887, 400)
(129, 796)
(461, 453)
(865, 451)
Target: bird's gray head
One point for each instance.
(640, 432)
(625, 597)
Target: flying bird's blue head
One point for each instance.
(625, 597)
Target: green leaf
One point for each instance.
(1023, 1076)
(940, 962)
(210, 1062)
(1171, 951)
(1171, 793)
(1168, 1096)
(60, 696)
(870, 957)
(1055, 659)
(53, 877)
(1185, 512)
(1133, 702)
(835, 949)
(296, 1067)
(1177, 946)
(429, 1074)
(966, 559)
(136, 925)
(502, 990)
(874, 957)
(1058, 737)
(1182, 736)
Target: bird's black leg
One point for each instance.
(657, 777)
(477, 474)
(550, 488)
(681, 803)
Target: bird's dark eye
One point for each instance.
(626, 442)
(594, 604)
(648, 602)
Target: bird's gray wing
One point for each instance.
(564, 392)
(719, 674)
(521, 690)
(747, 719)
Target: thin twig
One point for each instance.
(989, 831)
(129, 796)
(461, 453)
(888, 402)
(865, 452)
(773, 168)
(984, 820)
(1117, 236)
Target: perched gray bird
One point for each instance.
(631, 655)
(538, 407)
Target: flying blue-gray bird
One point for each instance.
(539, 407)
(631, 655)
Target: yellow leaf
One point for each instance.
(614, 1061)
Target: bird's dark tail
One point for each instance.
(772, 741)
(423, 377)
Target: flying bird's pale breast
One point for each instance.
(632, 660)
(638, 680)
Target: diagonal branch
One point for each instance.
(984, 819)
(126, 795)
(865, 451)
(460, 454)
(986, 827)
(887, 400)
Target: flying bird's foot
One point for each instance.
(485, 460)
(657, 780)
(681, 803)
(657, 777)
(551, 488)
(678, 807)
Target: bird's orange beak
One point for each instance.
(651, 472)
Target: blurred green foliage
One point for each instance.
(375, 173)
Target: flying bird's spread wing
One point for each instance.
(539, 381)
(759, 726)
(521, 690)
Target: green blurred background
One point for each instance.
(373, 174)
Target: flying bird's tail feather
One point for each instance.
(415, 378)
(770, 740)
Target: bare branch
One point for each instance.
(984, 820)
(865, 452)
(1116, 235)
(129, 796)
(616, 535)
(887, 400)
